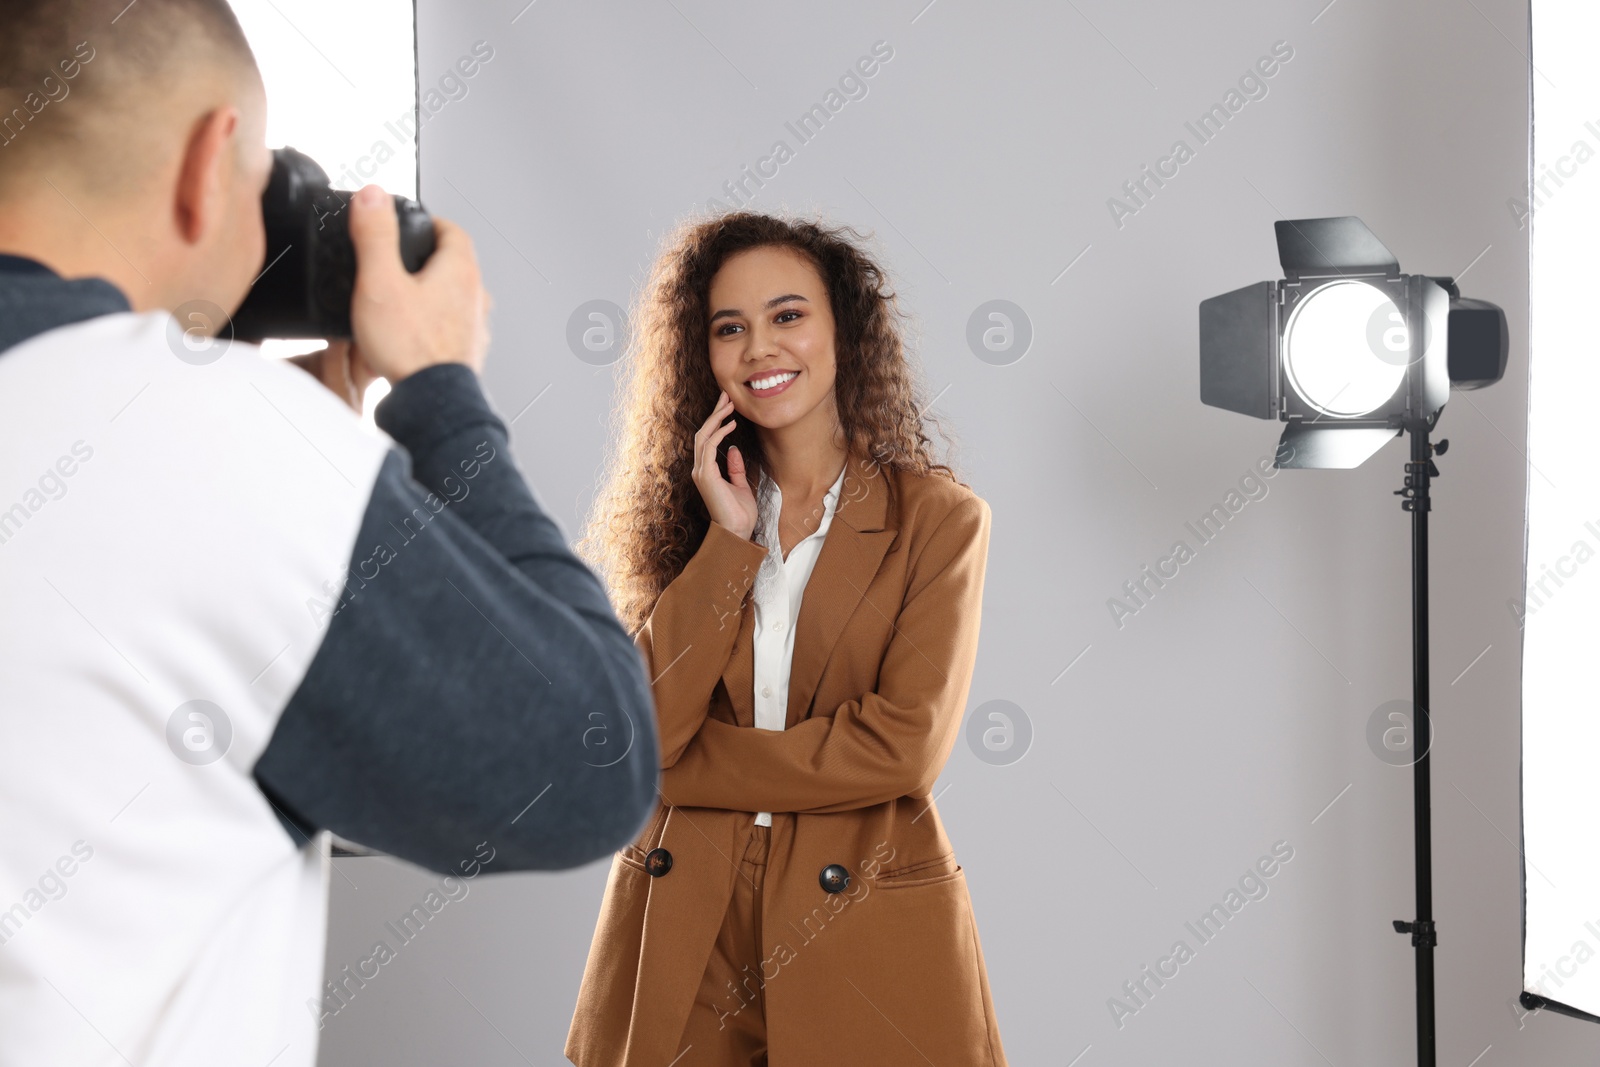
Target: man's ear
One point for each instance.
(207, 171)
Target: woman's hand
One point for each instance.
(730, 500)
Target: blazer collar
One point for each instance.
(852, 549)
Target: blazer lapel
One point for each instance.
(852, 549)
(739, 676)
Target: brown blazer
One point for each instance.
(888, 970)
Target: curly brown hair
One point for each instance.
(648, 518)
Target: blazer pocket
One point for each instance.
(635, 851)
(926, 872)
(650, 835)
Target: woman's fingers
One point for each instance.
(729, 498)
(716, 439)
(712, 431)
(710, 424)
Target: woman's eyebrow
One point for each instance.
(774, 302)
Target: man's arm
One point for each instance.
(474, 683)
(886, 744)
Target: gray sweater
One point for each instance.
(411, 733)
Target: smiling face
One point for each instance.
(771, 325)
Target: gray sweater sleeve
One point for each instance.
(473, 683)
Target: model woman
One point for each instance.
(805, 583)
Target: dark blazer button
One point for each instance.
(834, 878)
(657, 861)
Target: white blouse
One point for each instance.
(779, 585)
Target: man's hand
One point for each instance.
(404, 322)
(340, 368)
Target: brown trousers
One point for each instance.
(728, 1024)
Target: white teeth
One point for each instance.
(776, 379)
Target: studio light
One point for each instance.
(1351, 353)
(1345, 349)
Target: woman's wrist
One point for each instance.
(746, 535)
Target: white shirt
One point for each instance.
(150, 902)
(779, 585)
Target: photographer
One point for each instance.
(230, 617)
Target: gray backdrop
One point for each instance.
(1231, 712)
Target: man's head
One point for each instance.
(133, 146)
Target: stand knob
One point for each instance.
(1421, 931)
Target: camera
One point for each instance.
(309, 272)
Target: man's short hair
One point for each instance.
(86, 84)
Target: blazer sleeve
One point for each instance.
(689, 636)
(882, 745)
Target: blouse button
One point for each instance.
(766, 690)
(777, 626)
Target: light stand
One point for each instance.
(1349, 352)
(1420, 471)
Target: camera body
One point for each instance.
(309, 271)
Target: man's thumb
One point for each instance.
(375, 232)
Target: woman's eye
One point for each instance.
(722, 331)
